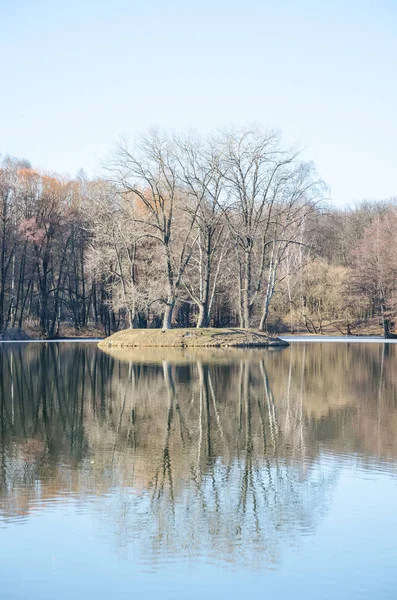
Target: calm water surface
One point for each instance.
(164, 474)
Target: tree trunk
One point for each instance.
(262, 324)
(266, 304)
(247, 291)
(387, 333)
(204, 310)
(271, 284)
(167, 319)
(203, 318)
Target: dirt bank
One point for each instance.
(191, 338)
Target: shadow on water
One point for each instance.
(227, 455)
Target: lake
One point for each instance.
(208, 474)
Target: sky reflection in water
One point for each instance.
(170, 474)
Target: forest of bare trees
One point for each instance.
(228, 230)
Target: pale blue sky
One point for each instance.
(75, 75)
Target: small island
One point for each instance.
(228, 337)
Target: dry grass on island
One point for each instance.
(191, 338)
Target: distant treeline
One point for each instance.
(230, 230)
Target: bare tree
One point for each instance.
(114, 245)
(149, 176)
(201, 174)
(269, 187)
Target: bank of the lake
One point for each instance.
(230, 337)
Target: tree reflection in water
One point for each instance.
(218, 454)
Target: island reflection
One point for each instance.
(202, 454)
